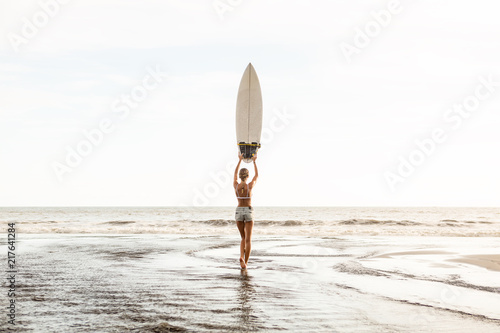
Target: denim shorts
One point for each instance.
(244, 214)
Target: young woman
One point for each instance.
(244, 211)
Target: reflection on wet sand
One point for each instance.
(246, 296)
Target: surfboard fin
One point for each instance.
(248, 150)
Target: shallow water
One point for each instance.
(193, 283)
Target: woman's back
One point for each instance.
(244, 195)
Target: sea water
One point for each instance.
(312, 221)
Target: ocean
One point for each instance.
(312, 221)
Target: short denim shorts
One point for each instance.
(244, 214)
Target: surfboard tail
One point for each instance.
(248, 150)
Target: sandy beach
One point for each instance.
(193, 283)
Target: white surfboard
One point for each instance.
(249, 114)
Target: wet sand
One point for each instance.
(183, 283)
(488, 261)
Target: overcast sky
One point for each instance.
(366, 103)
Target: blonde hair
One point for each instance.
(244, 174)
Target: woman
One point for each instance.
(244, 211)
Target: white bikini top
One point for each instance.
(248, 194)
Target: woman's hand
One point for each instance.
(240, 156)
(254, 157)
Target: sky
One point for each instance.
(366, 103)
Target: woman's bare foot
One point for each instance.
(242, 263)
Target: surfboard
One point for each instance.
(249, 114)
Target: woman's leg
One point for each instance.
(248, 240)
(241, 229)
